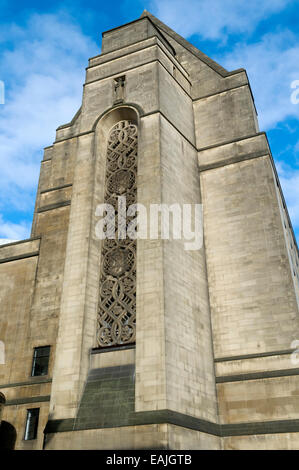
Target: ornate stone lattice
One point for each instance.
(117, 305)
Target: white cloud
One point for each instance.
(272, 65)
(271, 62)
(4, 241)
(13, 231)
(45, 64)
(289, 179)
(215, 19)
(45, 73)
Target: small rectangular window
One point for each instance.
(40, 361)
(31, 424)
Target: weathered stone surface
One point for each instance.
(213, 364)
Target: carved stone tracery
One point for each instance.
(117, 303)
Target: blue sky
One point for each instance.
(45, 48)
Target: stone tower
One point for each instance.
(134, 344)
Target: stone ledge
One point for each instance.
(153, 41)
(262, 363)
(225, 153)
(221, 91)
(232, 141)
(24, 401)
(253, 356)
(231, 161)
(258, 375)
(56, 189)
(51, 207)
(18, 257)
(35, 381)
(179, 419)
(19, 249)
(133, 67)
(112, 348)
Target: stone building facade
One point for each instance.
(142, 344)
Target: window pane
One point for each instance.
(40, 361)
(42, 351)
(31, 424)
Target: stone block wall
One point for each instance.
(212, 364)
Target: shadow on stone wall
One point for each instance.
(8, 435)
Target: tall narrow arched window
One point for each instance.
(117, 303)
